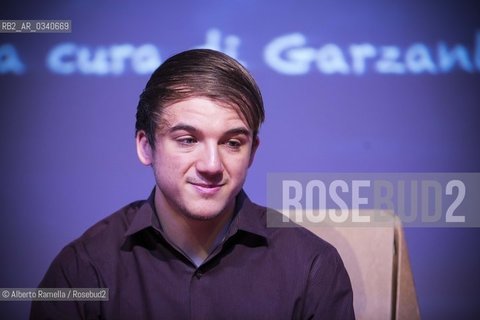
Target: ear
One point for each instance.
(144, 149)
(255, 145)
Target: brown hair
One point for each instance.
(199, 73)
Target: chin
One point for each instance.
(202, 216)
(208, 211)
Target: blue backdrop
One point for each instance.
(349, 86)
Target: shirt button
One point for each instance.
(198, 274)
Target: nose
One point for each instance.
(209, 162)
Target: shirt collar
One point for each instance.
(249, 217)
(145, 217)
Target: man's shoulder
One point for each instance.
(108, 232)
(292, 245)
(117, 222)
(98, 246)
(287, 235)
(296, 235)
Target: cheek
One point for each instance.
(238, 166)
(173, 164)
(167, 176)
(166, 157)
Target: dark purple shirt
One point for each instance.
(255, 273)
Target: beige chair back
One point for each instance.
(376, 258)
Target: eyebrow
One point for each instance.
(239, 130)
(189, 128)
(182, 127)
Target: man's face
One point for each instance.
(200, 160)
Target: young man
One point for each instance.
(198, 248)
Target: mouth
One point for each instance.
(207, 188)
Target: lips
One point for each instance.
(207, 188)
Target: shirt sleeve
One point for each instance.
(70, 269)
(329, 293)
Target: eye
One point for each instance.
(186, 141)
(234, 143)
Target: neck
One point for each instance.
(195, 237)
